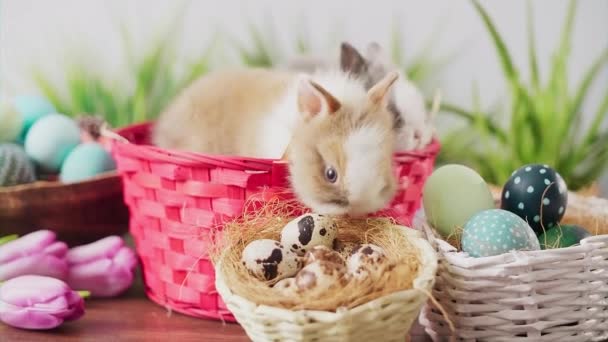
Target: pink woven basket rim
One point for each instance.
(183, 158)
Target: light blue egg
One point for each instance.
(32, 108)
(496, 231)
(86, 161)
(50, 140)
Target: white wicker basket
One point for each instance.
(548, 295)
(387, 318)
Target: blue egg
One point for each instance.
(86, 161)
(497, 231)
(50, 140)
(32, 108)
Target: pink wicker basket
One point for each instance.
(178, 201)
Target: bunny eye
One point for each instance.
(331, 174)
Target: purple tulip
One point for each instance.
(37, 253)
(38, 302)
(105, 267)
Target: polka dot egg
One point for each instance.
(537, 194)
(496, 231)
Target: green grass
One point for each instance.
(543, 119)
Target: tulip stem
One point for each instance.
(8, 238)
(84, 294)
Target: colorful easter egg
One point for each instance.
(452, 194)
(50, 140)
(537, 194)
(32, 108)
(497, 231)
(85, 161)
(10, 122)
(15, 166)
(562, 236)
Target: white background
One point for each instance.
(41, 33)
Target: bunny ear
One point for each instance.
(378, 93)
(314, 99)
(374, 50)
(351, 60)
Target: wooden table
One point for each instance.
(133, 317)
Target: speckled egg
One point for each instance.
(497, 231)
(10, 122)
(50, 140)
(267, 260)
(320, 276)
(286, 287)
(346, 248)
(366, 261)
(85, 161)
(307, 231)
(563, 236)
(32, 108)
(537, 194)
(452, 194)
(322, 253)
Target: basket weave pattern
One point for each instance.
(387, 318)
(178, 201)
(548, 295)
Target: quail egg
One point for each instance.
(307, 231)
(267, 260)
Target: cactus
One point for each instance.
(15, 166)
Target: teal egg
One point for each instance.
(31, 109)
(497, 231)
(452, 194)
(86, 161)
(50, 140)
(11, 122)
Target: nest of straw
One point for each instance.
(268, 221)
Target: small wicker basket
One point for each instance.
(388, 318)
(548, 295)
(78, 213)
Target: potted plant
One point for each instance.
(543, 123)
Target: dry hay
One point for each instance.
(266, 222)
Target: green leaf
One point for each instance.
(532, 60)
(8, 238)
(472, 118)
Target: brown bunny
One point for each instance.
(339, 134)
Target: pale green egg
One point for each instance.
(452, 194)
(11, 122)
(85, 161)
(497, 231)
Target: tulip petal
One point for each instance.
(105, 278)
(38, 264)
(26, 290)
(76, 305)
(58, 249)
(26, 245)
(103, 248)
(29, 319)
(126, 257)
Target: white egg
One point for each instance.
(366, 261)
(320, 276)
(307, 231)
(267, 260)
(323, 253)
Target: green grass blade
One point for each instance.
(532, 59)
(471, 118)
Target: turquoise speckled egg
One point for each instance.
(32, 108)
(452, 194)
(50, 140)
(86, 161)
(11, 122)
(497, 231)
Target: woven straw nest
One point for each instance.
(385, 306)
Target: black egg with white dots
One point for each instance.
(537, 194)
